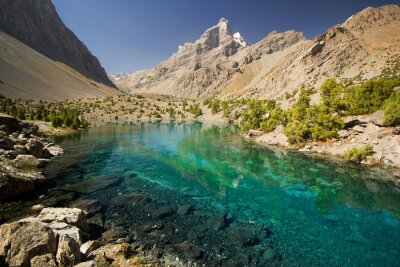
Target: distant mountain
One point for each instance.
(218, 64)
(37, 24)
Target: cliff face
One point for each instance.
(37, 24)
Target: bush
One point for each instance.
(358, 154)
(296, 132)
(195, 110)
(391, 109)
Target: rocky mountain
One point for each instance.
(218, 64)
(37, 24)
(27, 74)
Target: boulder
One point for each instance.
(89, 206)
(162, 212)
(396, 131)
(12, 185)
(185, 209)
(52, 151)
(254, 133)
(11, 123)
(68, 252)
(20, 150)
(75, 217)
(242, 236)
(190, 250)
(377, 118)
(89, 247)
(47, 260)
(114, 233)
(21, 241)
(25, 162)
(343, 133)
(94, 184)
(6, 143)
(35, 148)
(358, 129)
(218, 222)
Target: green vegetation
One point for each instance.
(55, 113)
(318, 122)
(358, 154)
(195, 110)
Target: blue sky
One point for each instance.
(129, 35)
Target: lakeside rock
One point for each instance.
(54, 236)
(23, 156)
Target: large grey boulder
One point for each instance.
(377, 118)
(11, 123)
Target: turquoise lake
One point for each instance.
(322, 213)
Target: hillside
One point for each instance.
(276, 67)
(37, 24)
(27, 74)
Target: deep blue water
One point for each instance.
(322, 213)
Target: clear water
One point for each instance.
(323, 213)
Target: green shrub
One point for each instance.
(358, 154)
(195, 110)
(391, 109)
(296, 132)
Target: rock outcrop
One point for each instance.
(37, 24)
(23, 155)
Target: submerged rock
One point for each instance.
(96, 183)
(190, 250)
(242, 236)
(218, 222)
(89, 206)
(162, 212)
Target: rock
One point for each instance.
(20, 150)
(218, 222)
(89, 247)
(75, 217)
(350, 122)
(377, 118)
(52, 151)
(68, 252)
(162, 212)
(114, 233)
(21, 241)
(89, 206)
(242, 236)
(26, 162)
(358, 129)
(6, 143)
(151, 226)
(94, 184)
(47, 260)
(317, 48)
(396, 131)
(185, 209)
(13, 185)
(190, 251)
(11, 123)
(343, 133)
(254, 133)
(35, 148)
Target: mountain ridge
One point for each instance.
(277, 65)
(37, 24)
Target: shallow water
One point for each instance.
(322, 213)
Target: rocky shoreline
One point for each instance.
(359, 131)
(83, 223)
